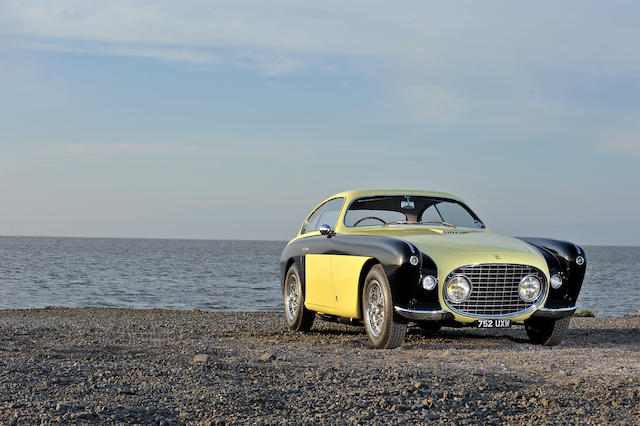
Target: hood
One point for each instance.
(469, 243)
(451, 251)
(452, 248)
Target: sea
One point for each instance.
(217, 275)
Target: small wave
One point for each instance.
(79, 282)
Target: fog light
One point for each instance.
(556, 281)
(458, 289)
(414, 260)
(429, 283)
(580, 260)
(529, 288)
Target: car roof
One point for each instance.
(352, 194)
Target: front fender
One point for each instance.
(392, 253)
(563, 258)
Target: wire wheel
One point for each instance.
(375, 307)
(384, 328)
(298, 317)
(293, 297)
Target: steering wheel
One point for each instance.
(368, 217)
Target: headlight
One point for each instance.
(529, 288)
(556, 281)
(458, 289)
(429, 282)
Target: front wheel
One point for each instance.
(384, 328)
(547, 332)
(298, 317)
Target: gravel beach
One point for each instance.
(158, 366)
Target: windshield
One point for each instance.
(410, 210)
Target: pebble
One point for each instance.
(201, 358)
(93, 365)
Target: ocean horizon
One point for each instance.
(216, 275)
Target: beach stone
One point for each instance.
(266, 356)
(201, 358)
(330, 375)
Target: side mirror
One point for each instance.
(326, 230)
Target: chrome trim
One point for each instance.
(567, 309)
(326, 230)
(551, 281)
(417, 315)
(539, 290)
(541, 300)
(446, 284)
(554, 312)
(422, 282)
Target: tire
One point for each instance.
(298, 317)
(386, 330)
(547, 332)
(430, 327)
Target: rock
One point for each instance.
(266, 356)
(201, 358)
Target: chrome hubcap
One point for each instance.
(292, 296)
(375, 307)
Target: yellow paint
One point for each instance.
(346, 276)
(318, 285)
(332, 283)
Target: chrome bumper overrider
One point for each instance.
(554, 312)
(418, 315)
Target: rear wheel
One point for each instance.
(545, 331)
(385, 329)
(298, 317)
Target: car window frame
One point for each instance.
(467, 208)
(318, 208)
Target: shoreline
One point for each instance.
(175, 366)
(198, 309)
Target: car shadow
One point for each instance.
(575, 337)
(469, 337)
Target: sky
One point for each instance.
(233, 119)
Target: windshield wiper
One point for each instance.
(437, 222)
(398, 222)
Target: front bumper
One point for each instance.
(554, 312)
(423, 315)
(441, 315)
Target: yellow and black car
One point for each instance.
(391, 257)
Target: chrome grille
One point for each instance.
(494, 290)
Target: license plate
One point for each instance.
(497, 323)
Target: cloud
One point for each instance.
(127, 148)
(419, 36)
(269, 64)
(452, 53)
(626, 143)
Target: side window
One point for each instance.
(326, 214)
